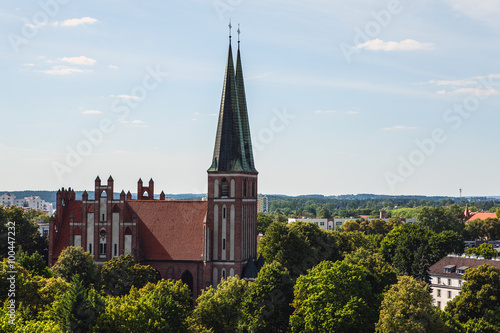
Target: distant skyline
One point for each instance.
(390, 97)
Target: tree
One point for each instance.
(121, 273)
(77, 309)
(74, 260)
(486, 250)
(27, 236)
(267, 306)
(334, 297)
(297, 246)
(498, 213)
(480, 293)
(381, 274)
(161, 307)
(263, 222)
(220, 310)
(407, 307)
(412, 249)
(324, 213)
(34, 263)
(351, 241)
(438, 219)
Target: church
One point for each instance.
(198, 242)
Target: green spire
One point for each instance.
(233, 146)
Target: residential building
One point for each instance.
(28, 203)
(262, 204)
(335, 223)
(447, 276)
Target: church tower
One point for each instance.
(231, 224)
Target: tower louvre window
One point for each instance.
(224, 188)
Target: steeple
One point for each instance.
(242, 104)
(233, 146)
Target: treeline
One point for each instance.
(365, 277)
(311, 206)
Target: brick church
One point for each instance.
(198, 242)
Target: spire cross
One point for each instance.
(239, 31)
(230, 27)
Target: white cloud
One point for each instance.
(92, 112)
(124, 96)
(137, 122)
(452, 82)
(76, 22)
(113, 67)
(63, 70)
(81, 60)
(404, 45)
(324, 111)
(470, 91)
(398, 128)
(486, 11)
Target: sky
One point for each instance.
(393, 97)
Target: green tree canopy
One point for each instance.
(267, 306)
(480, 293)
(334, 297)
(412, 249)
(486, 250)
(34, 263)
(161, 307)
(121, 273)
(381, 274)
(407, 308)
(297, 246)
(77, 309)
(439, 219)
(220, 310)
(324, 213)
(27, 237)
(263, 222)
(74, 260)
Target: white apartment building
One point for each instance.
(28, 203)
(447, 276)
(335, 223)
(263, 205)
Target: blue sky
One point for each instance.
(359, 96)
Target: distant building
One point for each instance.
(28, 203)
(470, 216)
(43, 227)
(335, 223)
(447, 276)
(262, 205)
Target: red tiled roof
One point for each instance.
(438, 268)
(170, 230)
(481, 216)
(75, 208)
